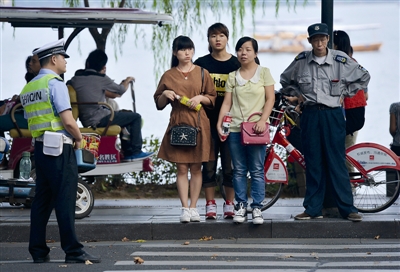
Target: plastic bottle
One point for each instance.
(185, 101)
(226, 124)
(25, 166)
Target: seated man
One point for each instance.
(93, 85)
(32, 66)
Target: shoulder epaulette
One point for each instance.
(362, 69)
(341, 59)
(300, 56)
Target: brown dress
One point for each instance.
(181, 114)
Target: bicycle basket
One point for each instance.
(91, 142)
(275, 117)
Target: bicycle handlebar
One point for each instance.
(133, 95)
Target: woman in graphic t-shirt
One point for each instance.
(219, 64)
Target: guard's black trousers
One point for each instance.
(323, 135)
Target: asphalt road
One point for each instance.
(365, 255)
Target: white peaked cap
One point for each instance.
(50, 49)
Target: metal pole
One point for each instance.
(327, 18)
(60, 36)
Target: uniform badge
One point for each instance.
(341, 59)
(316, 28)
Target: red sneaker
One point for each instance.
(229, 209)
(211, 209)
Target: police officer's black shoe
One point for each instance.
(82, 258)
(45, 259)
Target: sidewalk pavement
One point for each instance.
(158, 219)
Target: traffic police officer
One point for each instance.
(46, 103)
(323, 77)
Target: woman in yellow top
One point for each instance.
(250, 89)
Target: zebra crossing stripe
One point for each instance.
(267, 254)
(241, 263)
(274, 246)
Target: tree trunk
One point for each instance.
(101, 39)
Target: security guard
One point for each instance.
(46, 103)
(323, 77)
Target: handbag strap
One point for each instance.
(237, 98)
(201, 92)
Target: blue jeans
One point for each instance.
(247, 158)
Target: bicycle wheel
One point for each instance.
(377, 193)
(84, 200)
(272, 193)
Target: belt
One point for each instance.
(66, 139)
(319, 107)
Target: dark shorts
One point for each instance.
(209, 170)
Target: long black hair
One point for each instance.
(217, 28)
(342, 41)
(180, 42)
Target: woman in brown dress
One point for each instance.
(185, 79)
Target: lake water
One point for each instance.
(383, 65)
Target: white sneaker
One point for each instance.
(257, 217)
(211, 210)
(194, 215)
(229, 209)
(185, 215)
(241, 214)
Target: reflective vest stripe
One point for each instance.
(38, 113)
(52, 125)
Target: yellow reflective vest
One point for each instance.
(35, 98)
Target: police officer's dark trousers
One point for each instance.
(323, 138)
(56, 186)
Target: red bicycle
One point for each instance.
(375, 180)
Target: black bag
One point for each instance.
(355, 119)
(184, 135)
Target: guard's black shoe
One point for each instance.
(82, 258)
(355, 217)
(45, 259)
(306, 216)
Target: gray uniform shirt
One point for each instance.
(90, 86)
(328, 82)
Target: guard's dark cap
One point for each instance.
(50, 49)
(316, 29)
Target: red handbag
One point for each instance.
(249, 137)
